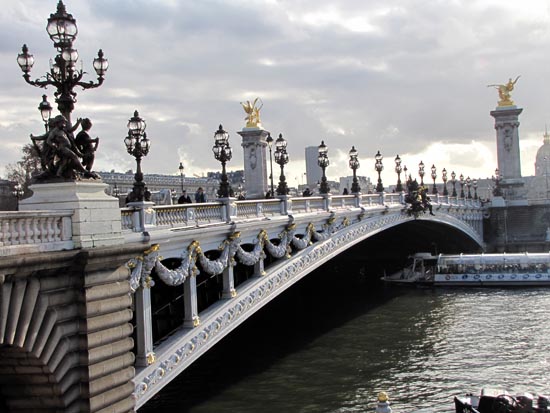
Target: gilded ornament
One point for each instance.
(504, 92)
(151, 358)
(252, 113)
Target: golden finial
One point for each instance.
(252, 113)
(504, 92)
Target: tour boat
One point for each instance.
(493, 401)
(521, 269)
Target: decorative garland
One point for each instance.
(230, 248)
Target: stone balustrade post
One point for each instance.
(229, 209)
(357, 199)
(259, 269)
(228, 283)
(191, 312)
(144, 333)
(286, 204)
(327, 201)
(143, 215)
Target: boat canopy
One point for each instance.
(524, 260)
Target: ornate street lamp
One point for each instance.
(461, 181)
(474, 182)
(269, 141)
(398, 170)
(63, 74)
(497, 191)
(45, 111)
(405, 173)
(421, 172)
(323, 162)
(281, 157)
(444, 178)
(115, 192)
(17, 192)
(138, 146)
(181, 168)
(223, 152)
(354, 165)
(468, 185)
(434, 176)
(453, 180)
(378, 167)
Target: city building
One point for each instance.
(313, 171)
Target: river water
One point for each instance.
(333, 342)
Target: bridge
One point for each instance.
(102, 307)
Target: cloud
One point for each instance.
(396, 76)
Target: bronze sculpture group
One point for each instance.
(62, 156)
(417, 198)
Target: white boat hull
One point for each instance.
(493, 279)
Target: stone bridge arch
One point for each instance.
(340, 232)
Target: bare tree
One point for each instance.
(22, 171)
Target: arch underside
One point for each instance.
(38, 344)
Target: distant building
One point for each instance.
(174, 183)
(363, 181)
(539, 185)
(313, 171)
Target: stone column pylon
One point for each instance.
(508, 155)
(255, 163)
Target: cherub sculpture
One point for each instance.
(59, 155)
(253, 113)
(504, 92)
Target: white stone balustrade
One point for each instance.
(35, 231)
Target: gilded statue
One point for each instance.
(252, 113)
(504, 92)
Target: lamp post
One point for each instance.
(323, 162)
(17, 193)
(138, 146)
(453, 180)
(497, 191)
(354, 165)
(461, 181)
(405, 173)
(444, 178)
(474, 183)
(115, 191)
(378, 166)
(181, 168)
(45, 111)
(269, 141)
(398, 170)
(434, 176)
(63, 74)
(223, 152)
(281, 157)
(468, 185)
(421, 172)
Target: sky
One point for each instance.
(399, 76)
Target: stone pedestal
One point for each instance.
(96, 220)
(255, 162)
(509, 162)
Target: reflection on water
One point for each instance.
(333, 349)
